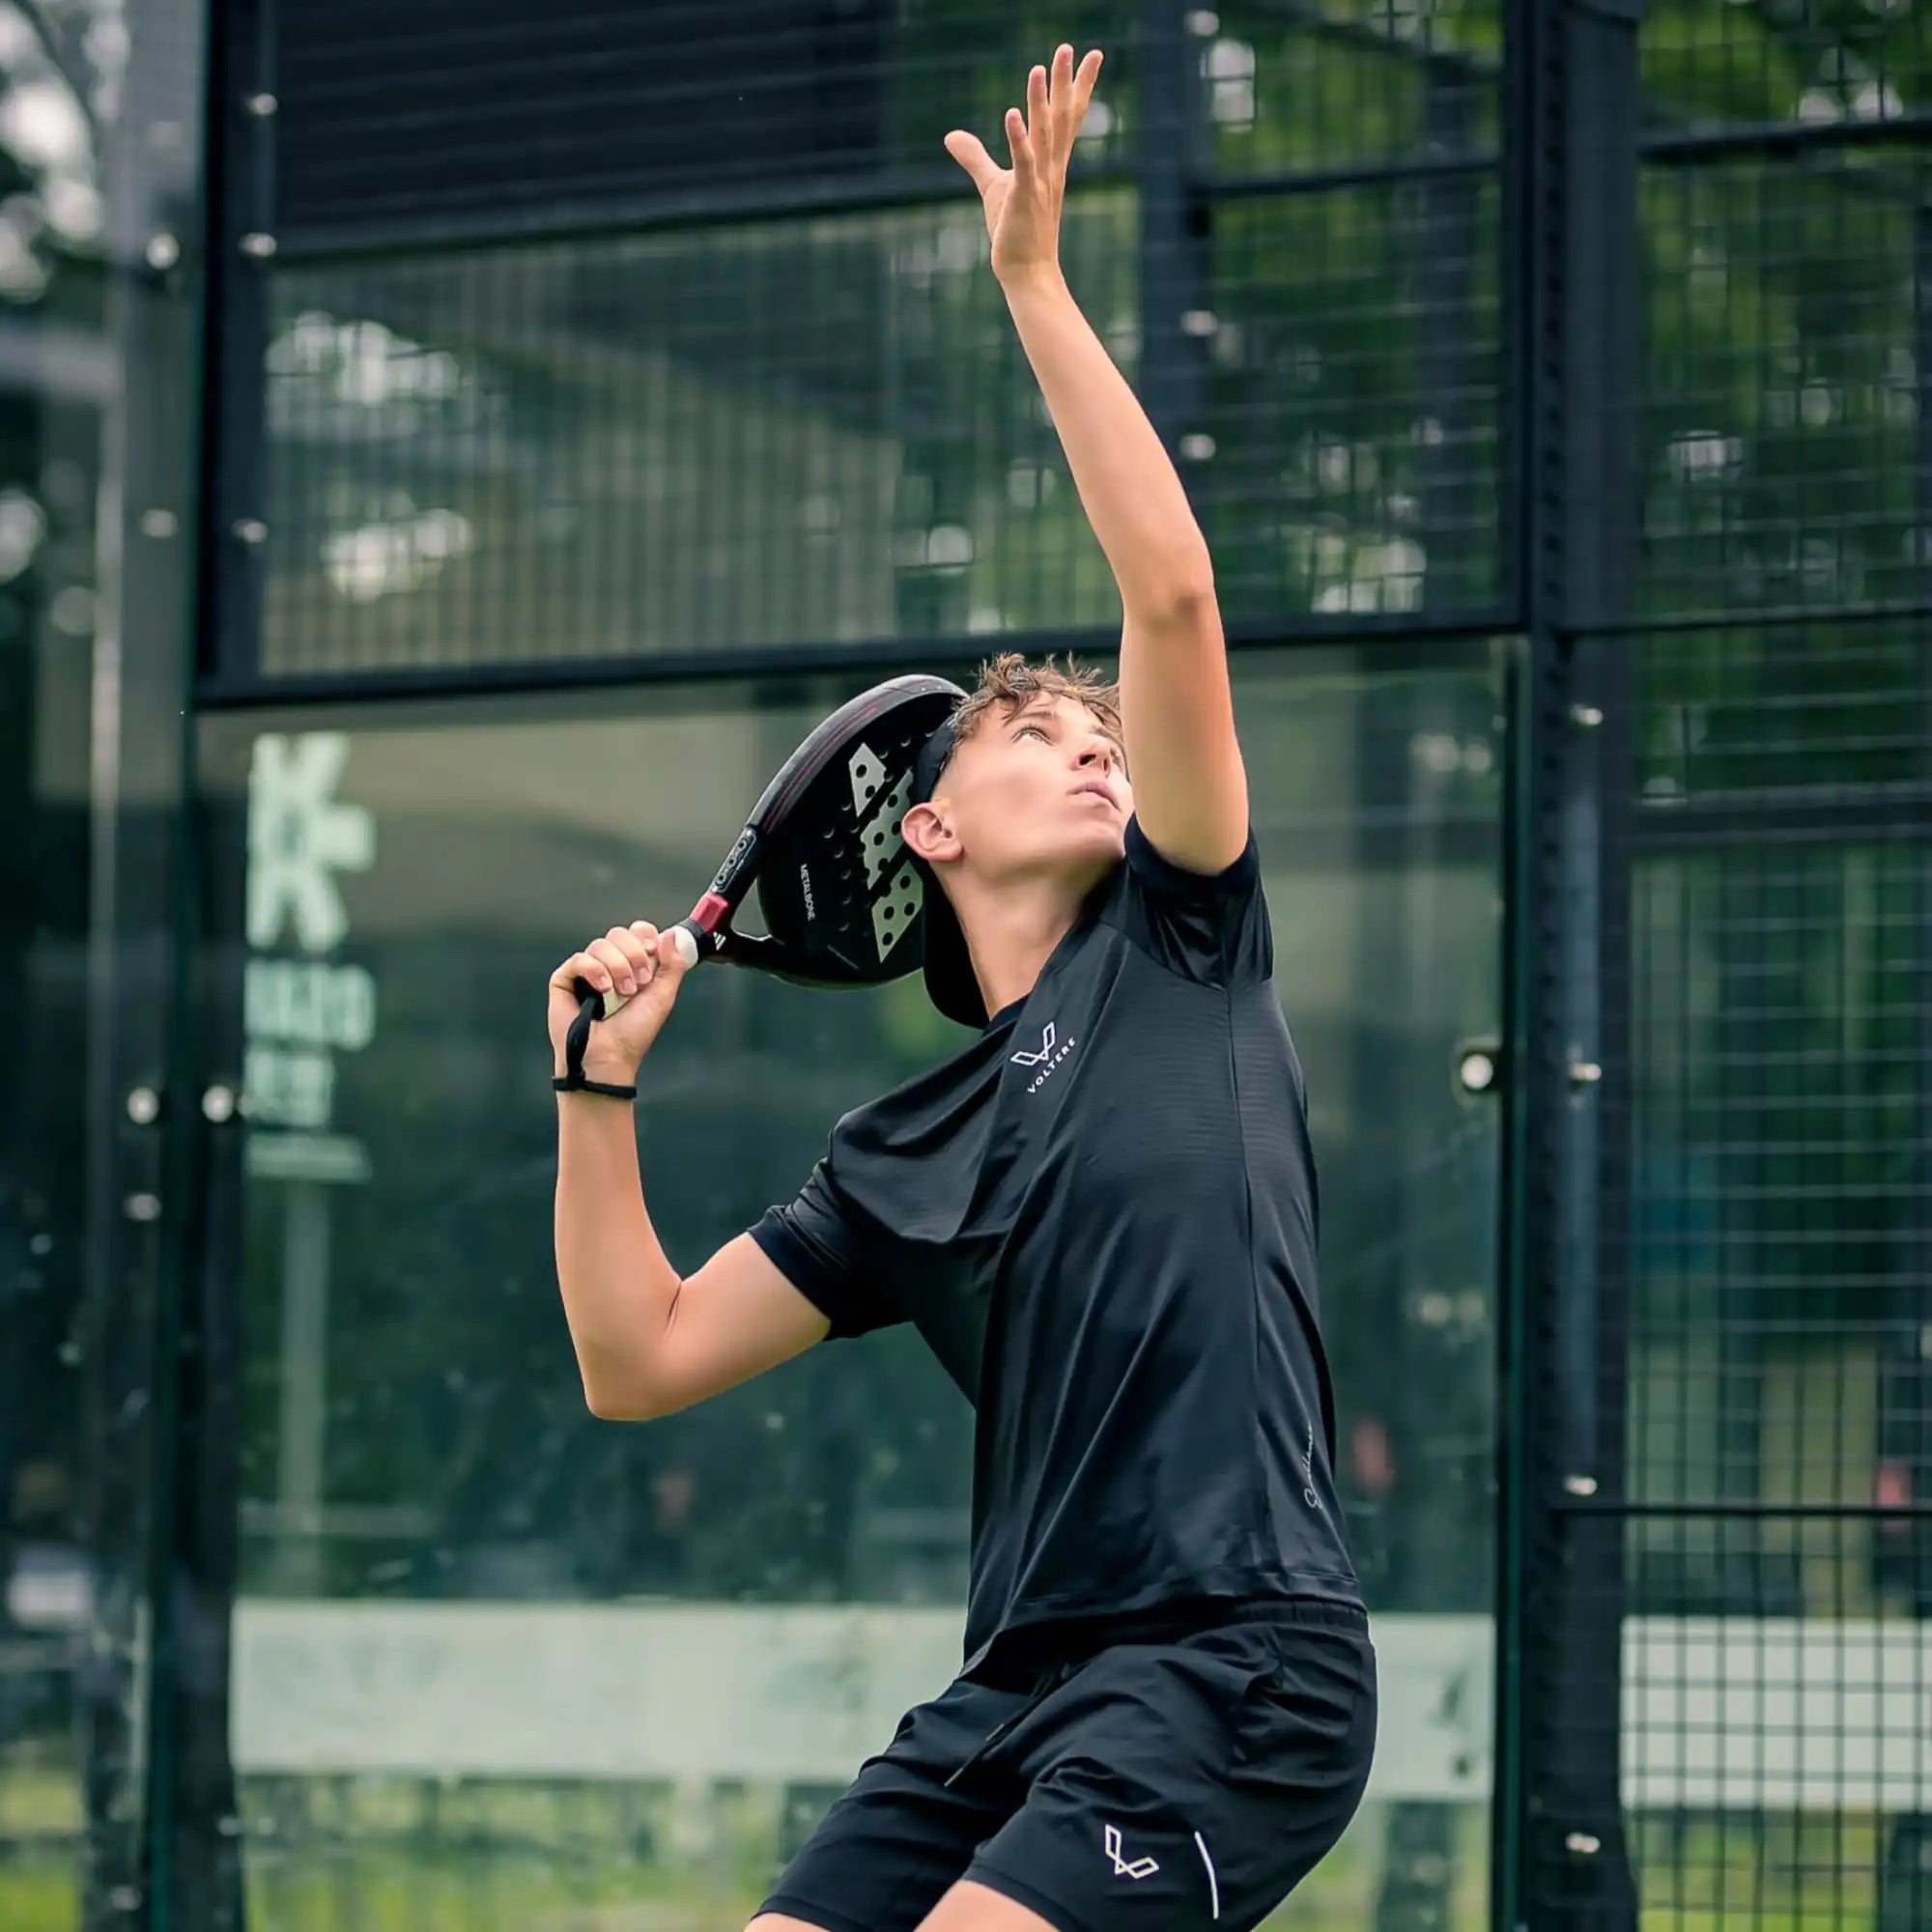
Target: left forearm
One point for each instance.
(1133, 496)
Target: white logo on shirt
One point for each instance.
(1140, 1868)
(1308, 1494)
(1052, 1051)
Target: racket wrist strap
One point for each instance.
(576, 1044)
(574, 1082)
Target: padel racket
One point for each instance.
(838, 894)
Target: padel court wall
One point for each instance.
(525, 422)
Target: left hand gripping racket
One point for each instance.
(837, 890)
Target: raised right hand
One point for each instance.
(642, 967)
(1023, 202)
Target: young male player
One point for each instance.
(1101, 1216)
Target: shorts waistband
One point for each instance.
(1315, 1610)
(1032, 1654)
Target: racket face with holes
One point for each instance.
(838, 890)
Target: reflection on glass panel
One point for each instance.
(494, 1658)
(820, 430)
(61, 360)
(47, 578)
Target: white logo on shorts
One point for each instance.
(1140, 1868)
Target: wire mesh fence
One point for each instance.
(1805, 66)
(1350, 461)
(1780, 407)
(777, 433)
(743, 393)
(1774, 1514)
(1779, 1457)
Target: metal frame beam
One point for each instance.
(1899, 814)
(1781, 140)
(231, 692)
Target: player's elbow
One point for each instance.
(609, 1406)
(1181, 592)
(1175, 603)
(618, 1398)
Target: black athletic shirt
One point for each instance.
(1101, 1217)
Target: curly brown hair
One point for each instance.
(1009, 684)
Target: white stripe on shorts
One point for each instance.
(1213, 1883)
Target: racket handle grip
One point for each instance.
(684, 935)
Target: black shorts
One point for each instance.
(1185, 1778)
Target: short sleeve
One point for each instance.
(1210, 928)
(827, 1250)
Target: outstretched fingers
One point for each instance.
(1020, 145)
(1068, 91)
(1060, 98)
(1041, 136)
(1084, 84)
(1039, 111)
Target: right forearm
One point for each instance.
(618, 1286)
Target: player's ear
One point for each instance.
(928, 835)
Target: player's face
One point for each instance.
(1042, 792)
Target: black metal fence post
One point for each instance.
(207, 1891)
(1574, 121)
(236, 536)
(140, 1117)
(1174, 230)
(1905, 1400)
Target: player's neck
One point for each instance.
(1011, 933)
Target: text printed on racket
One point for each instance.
(1052, 1051)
